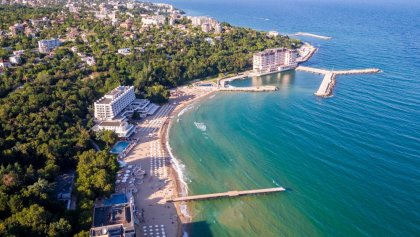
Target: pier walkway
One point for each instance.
(250, 89)
(312, 70)
(312, 35)
(328, 83)
(226, 194)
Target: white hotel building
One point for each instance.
(274, 60)
(113, 108)
(109, 106)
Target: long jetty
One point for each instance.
(328, 83)
(250, 89)
(226, 194)
(312, 35)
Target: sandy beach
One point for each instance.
(156, 217)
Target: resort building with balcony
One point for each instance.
(274, 60)
(113, 109)
(112, 103)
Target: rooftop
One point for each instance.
(110, 123)
(104, 101)
(111, 216)
(63, 188)
(64, 183)
(110, 96)
(272, 51)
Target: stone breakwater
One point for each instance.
(327, 85)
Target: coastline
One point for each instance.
(153, 153)
(162, 179)
(363, 106)
(181, 187)
(175, 175)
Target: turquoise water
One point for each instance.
(351, 162)
(116, 199)
(119, 147)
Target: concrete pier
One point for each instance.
(312, 70)
(222, 82)
(312, 35)
(226, 194)
(306, 52)
(250, 89)
(328, 83)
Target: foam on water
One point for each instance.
(189, 107)
(179, 168)
(201, 126)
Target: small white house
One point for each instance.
(124, 51)
(15, 60)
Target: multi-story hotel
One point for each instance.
(109, 106)
(113, 109)
(274, 60)
(45, 46)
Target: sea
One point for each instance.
(350, 162)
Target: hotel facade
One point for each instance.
(274, 60)
(113, 109)
(109, 106)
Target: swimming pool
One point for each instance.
(119, 147)
(115, 199)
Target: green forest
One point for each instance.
(46, 104)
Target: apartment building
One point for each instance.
(274, 60)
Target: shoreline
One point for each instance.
(153, 153)
(175, 175)
(163, 180)
(164, 139)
